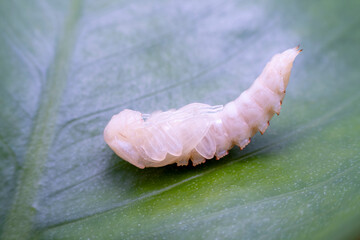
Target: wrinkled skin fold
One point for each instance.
(199, 131)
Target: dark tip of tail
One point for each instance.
(298, 48)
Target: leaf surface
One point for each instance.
(67, 66)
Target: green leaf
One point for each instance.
(67, 66)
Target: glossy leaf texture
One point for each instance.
(67, 66)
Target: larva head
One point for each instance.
(118, 135)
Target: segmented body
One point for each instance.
(199, 131)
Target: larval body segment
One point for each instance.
(199, 131)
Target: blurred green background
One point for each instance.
(67, 66)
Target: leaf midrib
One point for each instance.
(20, 219)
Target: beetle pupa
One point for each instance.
(199, 131)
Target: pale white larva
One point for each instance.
(199, 131)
